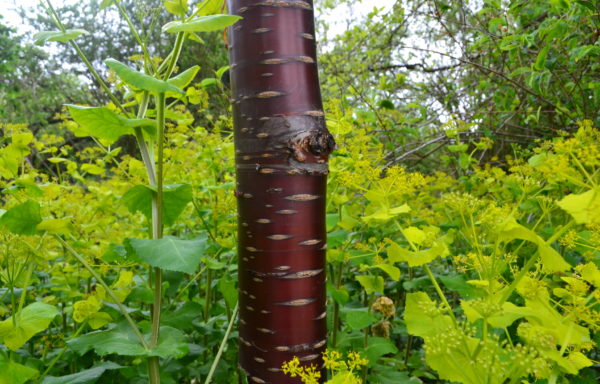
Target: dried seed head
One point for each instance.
(385, 306)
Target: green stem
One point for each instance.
(207, 295)
(182, 290)
(157, 233)
(531, 262)
(25, 284)
(87, 63)
(142, 44)
(110, 292)
(222, 346)
(440, 293)
(154, 370)
(146, 158)
(337, 278)
(175, 55)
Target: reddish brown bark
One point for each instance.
(282, 147)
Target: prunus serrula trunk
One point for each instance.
(282, 146)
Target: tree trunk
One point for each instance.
(282, 147)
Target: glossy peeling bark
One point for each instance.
(282, 147)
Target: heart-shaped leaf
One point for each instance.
(106, 124)
(169, 253)
(32, 319)
(175, 199)
(23, 218)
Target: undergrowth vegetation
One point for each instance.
(490, 276)
(483, 270)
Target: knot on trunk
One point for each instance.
(319, 143)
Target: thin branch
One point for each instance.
(416, 66)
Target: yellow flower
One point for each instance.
(332, 360)
(291, 367)
(355, 361)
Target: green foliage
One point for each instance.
(70, 34)
(169, 253)
(510, 242)
(175, 198)
(87, 376)
(32, 319)
(15, 373)
(450, 275)
(202, 24)
(140, 80)
(22, 219)
(121, 341)
(105, 124)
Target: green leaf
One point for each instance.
(177, 7)
(340, 295)
(171, 343)
(584, 51)
(183, 316)
(55, 226)
(414, 235)
(391, 376)
(103, 123)
(540, 61)
(393, 272)
(208, 82)
(227, 287)
(508, 315)
(552, 261)
(359, 319)
(458, 283)
(371, 284)
(386, 213)
(342, 377)
(202, 24)
(170, 253)
(32, 319)
(585, 207)
(379, 346)
(122, 341)
(140, 80)
(92, 169)
(116, 340)
(331, 221)
(423, 317)
(23, 218)
(416, 259)
(117, 254)
(87, 376)
(464, 160)
(105, 4)
(209, 7)
(14, 373)
(184, 78)
(175, 199)
(62, 37)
